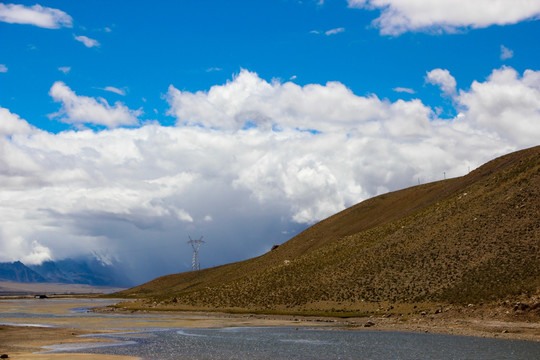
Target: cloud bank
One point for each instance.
(248, 164)
(400, 16)
(36, 15)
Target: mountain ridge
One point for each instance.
(82, 270)
(474, 238)
(17, 271)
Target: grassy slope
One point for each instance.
(469, 239)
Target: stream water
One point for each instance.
(302, 343)
(139, 335)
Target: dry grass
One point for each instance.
(466, 240)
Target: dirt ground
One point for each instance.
(22, 342)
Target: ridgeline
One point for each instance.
(468, 240)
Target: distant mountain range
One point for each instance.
(18, 272)
(84, 270)
(471, 239)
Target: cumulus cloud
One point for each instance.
(506, 53)
(3, 68)
(86, 110)
(507, 105)
(308, 152)
(87, 41)
(38, 254)
(443, 79)
(400, 16)
(249, 100)
(36, 15)
(12, 124)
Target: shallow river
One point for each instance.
(162, 337)
(290, 343)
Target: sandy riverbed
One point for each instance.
(58, 324)
(22, 342)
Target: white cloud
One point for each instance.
(86, 41)
(183, 215)
(37, 15)
(86, 110)
(38, 254)
(65, 69)
(335, 31)
(399, 16)
(214, 69)
(12, 124)
(506, 105)
(312, 151)
(329, 32)
(249, 99)
(403, 131)
(506, 53)
(404, 90)
(3, 68)
(115, 90)
(443, 79)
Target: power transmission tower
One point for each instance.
(195, 244)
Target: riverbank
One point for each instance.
(31, 324)
(61, 321)
(450, 324)
(519, 320)
(23, 343)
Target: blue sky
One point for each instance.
(129, 124)
(193, 45)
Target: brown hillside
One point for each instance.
(469, 239)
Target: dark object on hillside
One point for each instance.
(274, 247)
(40, 297)
(4, 356)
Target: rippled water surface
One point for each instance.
(289, 343)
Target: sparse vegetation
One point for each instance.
(461, 241)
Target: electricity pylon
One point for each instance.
(195, 244)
